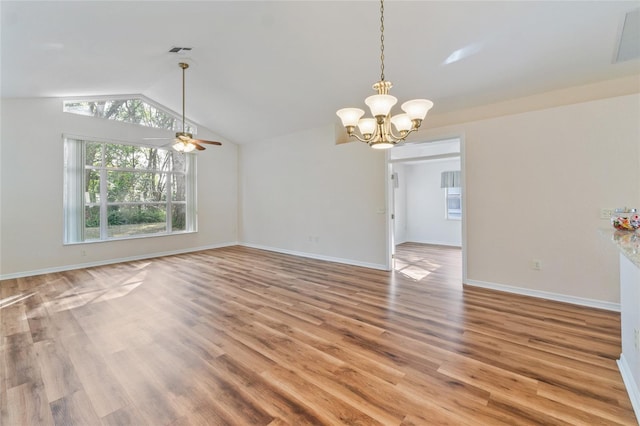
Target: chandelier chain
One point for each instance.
(381, 40)
(379, 132)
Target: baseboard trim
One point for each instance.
(435, 243)
(609, 306)
(631, 385)
(112, 261)
(317, 256)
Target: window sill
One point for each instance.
(132, 237)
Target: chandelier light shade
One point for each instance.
(379, 132)
(367, 126)
(350, 116)
(380, 105)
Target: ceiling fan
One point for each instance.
(184, 141)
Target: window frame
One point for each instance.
(451, 195)
(191, 127)
(76, 202)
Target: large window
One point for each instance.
(117, 191)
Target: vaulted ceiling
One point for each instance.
(260, 69)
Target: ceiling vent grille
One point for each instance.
(629, 44)
(179, 49)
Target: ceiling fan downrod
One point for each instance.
(184, 66)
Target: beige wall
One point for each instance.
(303, 194)
(31, 182)
(535, 183)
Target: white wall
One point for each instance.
(303, 194)
(400, 205)
(32, 185)
(425, 208)
(535, 183)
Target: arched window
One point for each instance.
(129, 109)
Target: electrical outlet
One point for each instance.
(636, 338)
(536, 264)
(606, 213)
(83, 253)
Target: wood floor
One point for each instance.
(238, 336)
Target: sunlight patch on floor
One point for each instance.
(415, 273)
(71, 299)
(117, 292)
(8, 301)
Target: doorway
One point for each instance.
(426, 199)
(419, 262)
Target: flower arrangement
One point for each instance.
(624, 223)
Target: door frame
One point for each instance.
(390, 199)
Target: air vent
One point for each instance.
(629, 46)
(179, 49)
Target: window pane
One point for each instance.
(92, 223)
(145, 158)
(119, 155)
(454, 203)
(179, 163)
(92, 186)
(125, 221)
(93, 154)
(178, 188)
(178, 217)
(124, 187)
(133, 110)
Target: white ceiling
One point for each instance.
(262, 69)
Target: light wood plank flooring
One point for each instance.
(238, 336)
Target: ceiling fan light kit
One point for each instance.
(378, 132)
(184, 141)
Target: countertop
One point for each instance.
(629, 244)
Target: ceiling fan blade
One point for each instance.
(209, 142)
(198, 146)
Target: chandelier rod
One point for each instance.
(381, 40)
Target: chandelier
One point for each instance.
(378, 131)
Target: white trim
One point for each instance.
(389, 191)
(427, 157)
(112, 261)
(117, 141)
(632, 387)
(436, 243)
(463, 224)
(460, 137)
(317, 256)
(609, 306)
